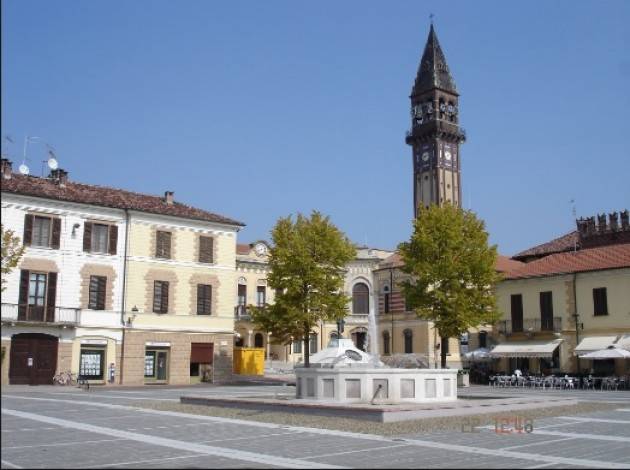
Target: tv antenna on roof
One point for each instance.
(23, 168)
(574, 212)
(52, 161)
(6, 138)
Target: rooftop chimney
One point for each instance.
(6, 169)
(168, 197)
(59, 176)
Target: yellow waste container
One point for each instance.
(249, 361)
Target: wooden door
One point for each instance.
(33, 359)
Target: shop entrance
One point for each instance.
(201, 360)
(156, 365)
(33, 359)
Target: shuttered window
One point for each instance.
(546, 311)
(41, 231)
(204, 299)
(100, 235)
(100, 238)
(98, 285)
(37, 289)
(600, 301)
(517, 312)
(206, 247)
(163, 244)
(160, 297)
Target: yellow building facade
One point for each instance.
(180, 323)
(559, 308)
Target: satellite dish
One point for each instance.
(24, 169)
(52, 163)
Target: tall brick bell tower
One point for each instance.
(435, 135)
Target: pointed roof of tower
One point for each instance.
(433, 71)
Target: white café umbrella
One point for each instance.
(481, 354)
(608, 353)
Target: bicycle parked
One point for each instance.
(68, 378)
(65, 378)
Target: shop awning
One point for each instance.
(624, 342)
(526, 349)
(594, 343)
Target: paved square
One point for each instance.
(50, 427)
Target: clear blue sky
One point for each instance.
(261, 109)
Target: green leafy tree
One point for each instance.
(307, 266)
(12, 251)
(452, 271)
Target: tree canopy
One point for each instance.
(452, 271)
(307, 266)
(12, 251)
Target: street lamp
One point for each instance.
(391, 295)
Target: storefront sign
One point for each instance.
(102, 342)
(158, 344)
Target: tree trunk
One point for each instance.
(307, 338)
(443, 350)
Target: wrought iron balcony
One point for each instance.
(44, 314)
(241, 312)
(530, 325)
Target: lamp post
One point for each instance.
(391, 296)
(340, 327)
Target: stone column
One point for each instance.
(249, 338)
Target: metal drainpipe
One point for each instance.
(576, 317)
(123, 299)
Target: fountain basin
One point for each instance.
(377, 385)
(342, 373)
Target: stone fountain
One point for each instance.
(342, 373)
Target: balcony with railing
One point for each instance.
(40, 314)
(531, 325)
(241, 312)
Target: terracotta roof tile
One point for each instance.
(243, 248)
(107, 197)
(566, 242)
(590, 259)
(505, 264)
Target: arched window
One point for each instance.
(408, 341)
(386, 299)
(360, 298)
(238, 341)
(258, 340)
(386, 341)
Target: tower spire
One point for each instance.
(433, 71)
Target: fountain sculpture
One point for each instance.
(342, 373)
